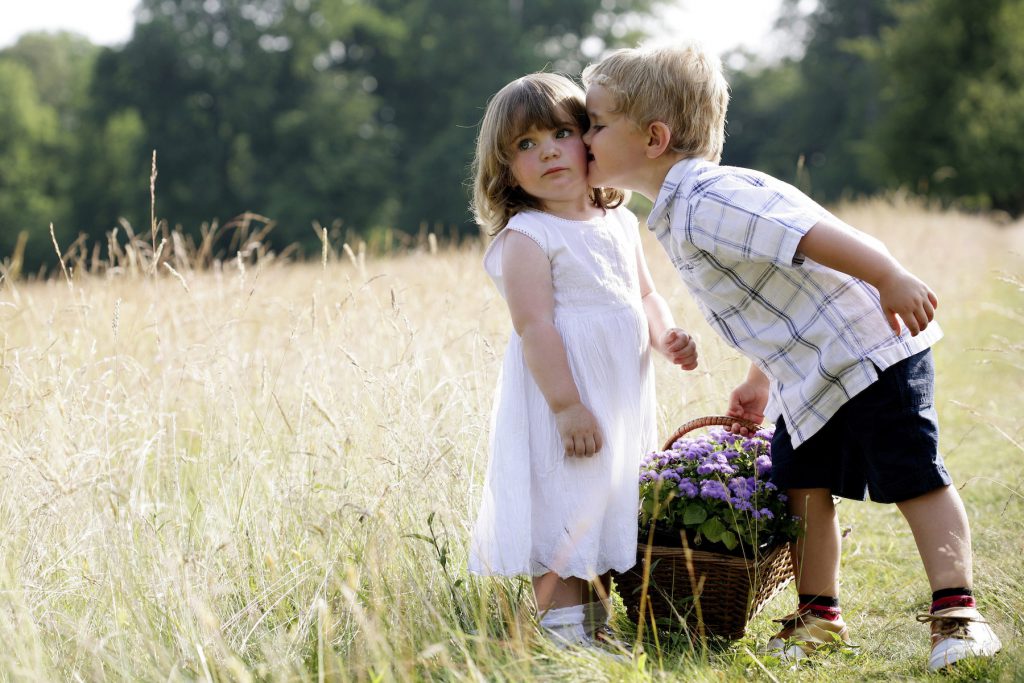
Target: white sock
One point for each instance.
(564, 625)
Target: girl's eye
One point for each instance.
(563, 133)
(524, 145)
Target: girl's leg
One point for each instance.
(554, 592)
(598, 607)
(560, 608)
(943, 537)
(816, 552)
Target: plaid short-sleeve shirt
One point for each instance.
(818, 334)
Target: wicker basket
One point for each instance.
(729, 590)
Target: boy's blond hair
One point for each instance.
(545, 100)
(681, 87)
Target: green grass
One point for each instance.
(271, 473)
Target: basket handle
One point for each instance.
(712, 421)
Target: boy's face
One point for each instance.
(617, 145)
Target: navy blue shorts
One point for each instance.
(884, 442)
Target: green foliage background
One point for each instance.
(360, 115)
(922, 95)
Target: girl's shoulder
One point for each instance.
(622, 216)
(528, 223)
(534, 224)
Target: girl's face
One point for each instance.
(551, 166)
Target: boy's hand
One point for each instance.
(679, 348)
(581, 435)
(904, 295)
(747, 401)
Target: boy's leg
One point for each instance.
(816, 552)
(943, 536)
(817, 620)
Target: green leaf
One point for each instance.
(713, 529)
(648, 509)
(729, 539)
(694, 514)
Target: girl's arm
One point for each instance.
(669, 340)
(531, 302)
(854, 253)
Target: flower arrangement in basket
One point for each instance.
(714, 532)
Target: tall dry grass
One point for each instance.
(262, 470)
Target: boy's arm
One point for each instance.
(749, 399)
(531, 303)
(666, 338)
(854, 253)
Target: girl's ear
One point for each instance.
(659, 139)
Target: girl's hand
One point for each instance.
(581, 435)
(679, 348)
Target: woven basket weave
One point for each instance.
(710, 594)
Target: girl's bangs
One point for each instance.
(541, 108)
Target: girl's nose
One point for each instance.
(550, 150)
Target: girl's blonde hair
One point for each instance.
(681, 87)
(543, 100)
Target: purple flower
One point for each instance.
(742, 505)
(742, 487)
(687, 488)
(712, 489)
(718, 466)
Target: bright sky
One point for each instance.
(719, 24)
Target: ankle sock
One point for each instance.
(564, 625)
(952, 597)
(821, 606)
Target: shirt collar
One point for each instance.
(673, 179)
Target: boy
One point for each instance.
(816, 306)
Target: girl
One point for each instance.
(574, 410)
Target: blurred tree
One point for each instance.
(954, 95)
(353, 110)
(43, 83)
(239, 99)
(358, 113)
(820, 108)
(453, 56)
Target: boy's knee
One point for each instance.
(805, 501)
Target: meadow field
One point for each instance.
(266, 470)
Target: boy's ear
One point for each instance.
(659, 139)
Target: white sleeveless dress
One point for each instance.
(541, 510)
